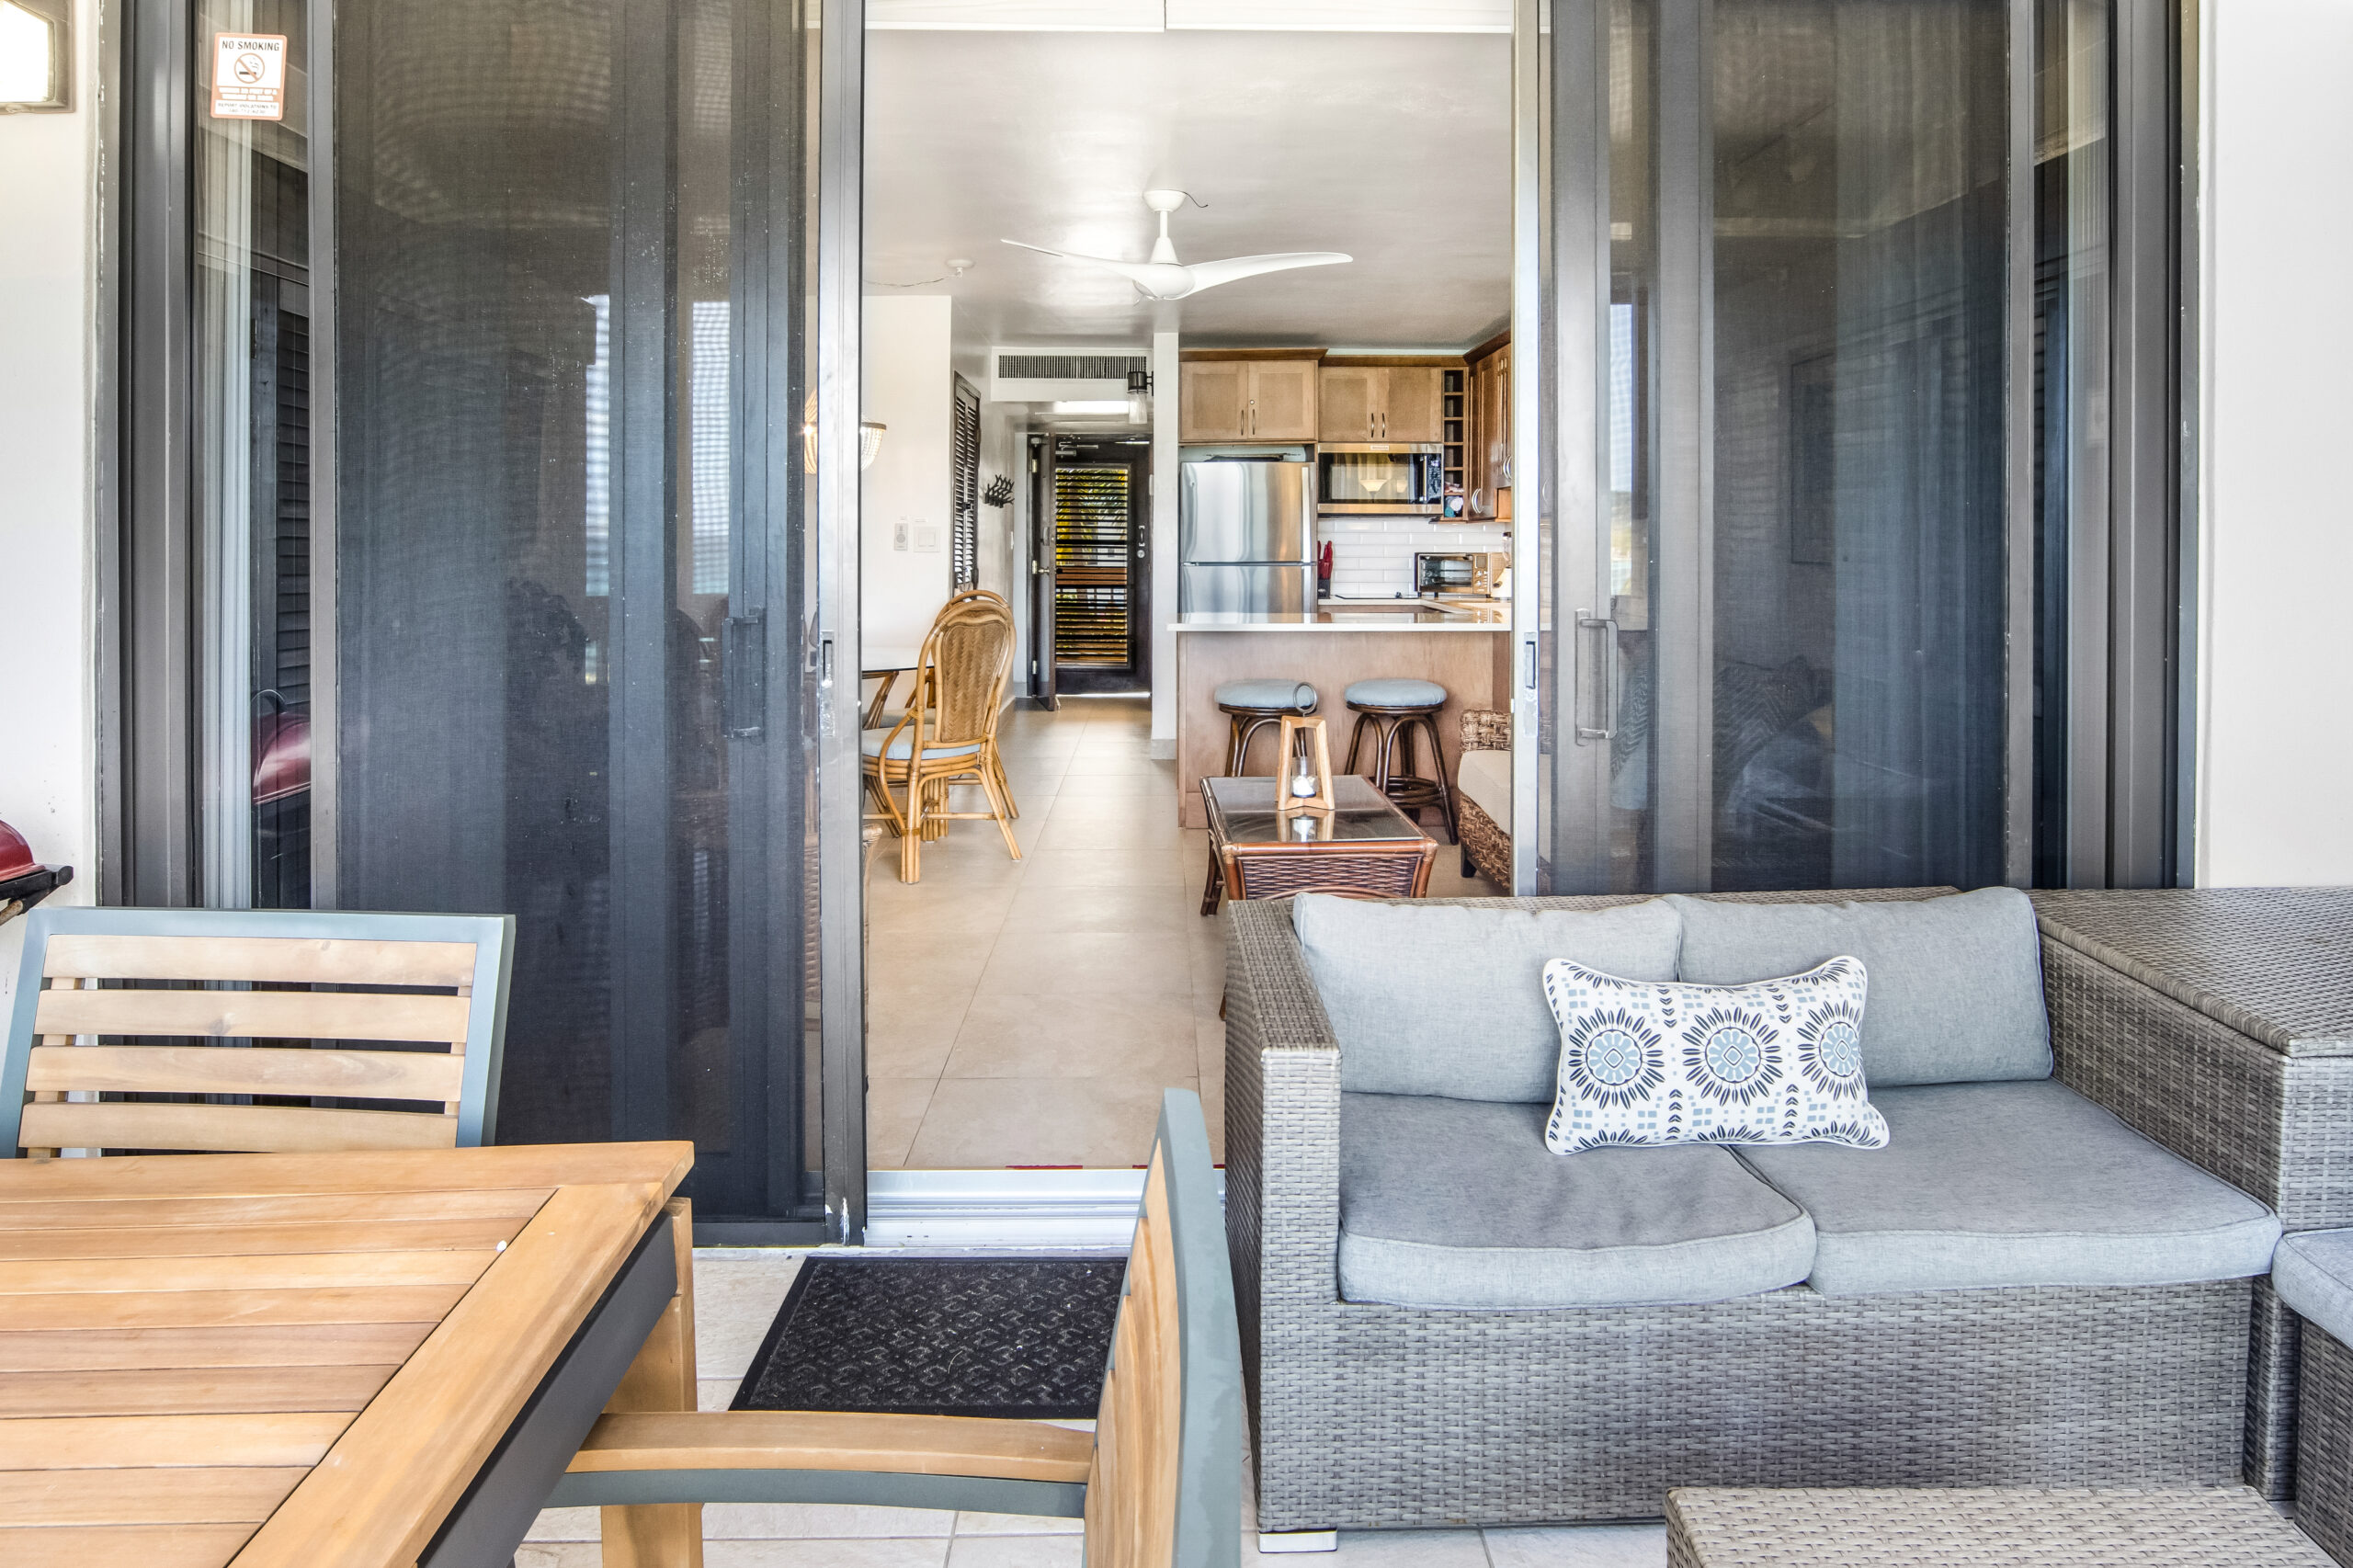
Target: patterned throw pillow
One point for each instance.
(1650, 1061)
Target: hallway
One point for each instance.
(1028, 1013)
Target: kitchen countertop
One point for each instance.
(1361, 615)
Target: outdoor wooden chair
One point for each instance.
(948, 735)
(297, 988)
(1158, 1480)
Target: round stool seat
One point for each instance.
(1396, 692)
(1275, 695)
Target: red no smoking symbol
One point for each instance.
(247, 68)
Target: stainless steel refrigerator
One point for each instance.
(1247, 534)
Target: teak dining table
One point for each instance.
(327, 1360)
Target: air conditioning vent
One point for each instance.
(1069, 367)
(1033, 374)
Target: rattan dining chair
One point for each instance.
(948, 735)
(298, 989)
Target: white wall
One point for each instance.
(909, 387)
(48, 268)
(1004, 568)
(2276, 643)
(1166, 555)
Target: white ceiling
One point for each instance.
(1392, 146)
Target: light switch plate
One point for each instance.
(898, 536)
(927, 539)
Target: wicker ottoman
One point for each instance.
(2313, 1275)
(2009, 1527)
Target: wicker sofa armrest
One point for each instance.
(1484, 729)
(1283, 1119)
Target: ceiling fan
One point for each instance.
(1166, 278)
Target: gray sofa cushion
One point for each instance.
(1956, 982)
(2313, 1271)
(2012, 1184)
(1436, 999)
(1458, 1203)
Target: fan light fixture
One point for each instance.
(1166, 278)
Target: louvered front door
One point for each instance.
(1100, 581)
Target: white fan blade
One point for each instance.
(1209, 274)
(1156, 279)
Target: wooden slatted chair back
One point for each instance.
(127, 1023)
(1158, 1482)
(966, 660)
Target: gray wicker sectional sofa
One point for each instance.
(1444, 1324)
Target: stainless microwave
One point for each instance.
(1381, 476)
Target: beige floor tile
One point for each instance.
(985, 1123)
(912, 992)
(1086, 963)
(1133, 763)
(1082, 832)
(1110, 868)
(1016, 1551)
(1076, 1036)
(566, 1554)
(1118, 785)
(910, 1052)
(1155, 809)
(876, 1553)
(736, 1300)
(1401, 1548)
(895, 1111)
(1159, 909)
(1017, 1523)
(937, 909)
(563, 1524)
(820, 1521)
(1584, 1546)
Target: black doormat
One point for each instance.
(1017, 1337)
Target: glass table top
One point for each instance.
(1242, 811)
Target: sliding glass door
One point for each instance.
(1790, 555)
(579, 456)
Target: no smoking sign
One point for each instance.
(249, 77)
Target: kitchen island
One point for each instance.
(1464, 647)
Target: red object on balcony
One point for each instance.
(23, 881)
(282, 757)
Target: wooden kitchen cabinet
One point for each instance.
(1412, 411)
(1488, 463)
(1380, 402)
(1246, 400)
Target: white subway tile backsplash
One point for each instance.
(1373, 557)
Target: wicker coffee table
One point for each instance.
(2008, 1527)
(1365, 846)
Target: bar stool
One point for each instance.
(1251, 706)
(1393, 709)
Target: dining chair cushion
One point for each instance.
(903, 746)
(1396, 692)
(1448, 999)
(1281, 696)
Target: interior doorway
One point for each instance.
(1094, 596)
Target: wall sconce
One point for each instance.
(1139, 396)
(35, 56)
(869, 440)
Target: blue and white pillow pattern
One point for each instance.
(1648, 1063)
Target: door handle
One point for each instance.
(1586, 620)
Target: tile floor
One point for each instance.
(1029, 1012)
(736, 1296)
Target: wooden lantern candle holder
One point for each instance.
(1317, 749)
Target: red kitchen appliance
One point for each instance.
(23, 881)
